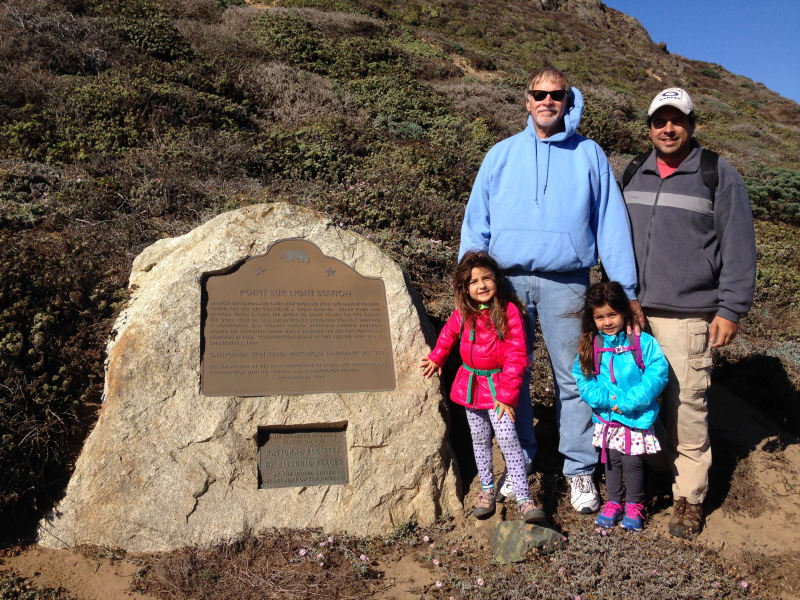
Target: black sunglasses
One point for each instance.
(539, 95)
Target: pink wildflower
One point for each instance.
(744, 583)
(330, 539)
(479, 581)
(320, 557)
(322, 544)
(435, 562)
(439, 583)
(426, 539)
(363, 558)
(302, 552)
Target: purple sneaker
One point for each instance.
(634, 516)
(610, 515)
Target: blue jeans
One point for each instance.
(556, 298)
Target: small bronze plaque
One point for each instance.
(293, 321)
(297, 456)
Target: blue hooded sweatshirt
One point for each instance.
(545, 205)
(635, 393)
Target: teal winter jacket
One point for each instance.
(636, 391)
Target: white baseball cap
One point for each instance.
(674, 96)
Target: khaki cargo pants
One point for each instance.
(684, 339)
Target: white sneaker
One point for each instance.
(583, 495)
(504, 484)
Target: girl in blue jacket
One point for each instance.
(620, 376)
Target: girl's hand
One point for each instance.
(616, 409)
(429, 368)
(500, 409)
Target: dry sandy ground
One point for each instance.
(775, 532)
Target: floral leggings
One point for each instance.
(481, 423)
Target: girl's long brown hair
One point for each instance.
(599, 294)
(467, 306)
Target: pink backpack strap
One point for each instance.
(597, 347)
(637, 350)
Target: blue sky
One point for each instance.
(759, 39)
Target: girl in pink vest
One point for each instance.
(487, 325)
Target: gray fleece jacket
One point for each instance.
(692, 255)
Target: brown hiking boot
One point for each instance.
(686, 520)
(485, 505)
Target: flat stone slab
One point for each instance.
(516, 541)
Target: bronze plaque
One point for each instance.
(293, 321)
(295, 456)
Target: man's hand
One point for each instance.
(638, 318)
(722, 332)
(500, 409)
(429, 368)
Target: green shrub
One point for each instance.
(399, 100)
(55, 298)
(224, 4)
(290, 37)
(325, 150)
(333, 5)
(417, 189)
(611, 130)
(360, 57)
(25, 194)
(148, 28)
(710, 72)
(774, 193)
(413, 45)
(778, 265)
(115, 111)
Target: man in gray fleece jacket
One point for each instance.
(696, 260)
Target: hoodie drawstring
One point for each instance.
(547, 169)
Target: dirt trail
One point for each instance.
(83, 577)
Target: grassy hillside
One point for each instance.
(125, 121)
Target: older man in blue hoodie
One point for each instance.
(544, 204)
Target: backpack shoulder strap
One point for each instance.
(596, 343)
(496, 328)
(637, 350)
(632, 167)
(709, 172)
